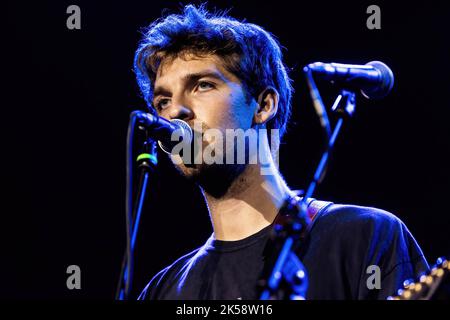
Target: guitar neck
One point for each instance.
(431, 286)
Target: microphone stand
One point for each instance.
(146, 164)
(284, 276)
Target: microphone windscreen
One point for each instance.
(386, 81)
(186, 133)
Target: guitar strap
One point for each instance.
(315, 207)
(291, 206)
(275, 243)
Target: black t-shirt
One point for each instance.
(343, 242)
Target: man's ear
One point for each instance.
(267, 105)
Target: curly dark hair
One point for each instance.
(247, 51)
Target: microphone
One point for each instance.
(162, 130)
(374, 79)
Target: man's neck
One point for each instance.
(250, 204)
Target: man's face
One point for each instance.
(194, 88)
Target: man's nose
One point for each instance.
(181, 111)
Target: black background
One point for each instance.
(66, 99)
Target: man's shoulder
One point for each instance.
(151, 290)
(366, 228)
(348, 215)
(352, 238)
(350, 223)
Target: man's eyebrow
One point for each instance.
(161, 91)
(189, 78)
(202, 74)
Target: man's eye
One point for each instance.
(162, 104)
(203, 85)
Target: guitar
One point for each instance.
(434, 285)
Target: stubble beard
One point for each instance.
(214, 179)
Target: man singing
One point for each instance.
(229, 75)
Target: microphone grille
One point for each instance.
(386, 81)
(186, 134)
